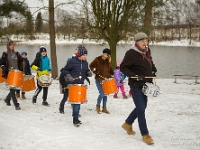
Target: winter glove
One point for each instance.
(4, 71)
(34, 67)
(88, 80)
(70, 78)
(121, 81)
(154, 73)
(89, 74)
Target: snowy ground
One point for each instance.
(173, 120)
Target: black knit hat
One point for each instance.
(82, 50)
(43, 49)
(107, 51)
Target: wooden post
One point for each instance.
(196, 81)
(175, 79)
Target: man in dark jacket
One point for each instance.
(76, 71)
(11, 59)
(138, 63)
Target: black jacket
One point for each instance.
(4, 63)
(136, 64)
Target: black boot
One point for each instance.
(17, 107)
(34, 99)
(76, 122)
(45, 103)
(61, 109)
(7, 102)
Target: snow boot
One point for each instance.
(17, 95)
(7, 102)
(147, 139)
(105, 110)
(124, 96)
(61, 109)
(98, 109)
(115, 96)
(76, 122)
(17, 107)
(34, 99)
(130, 93)
(45, 103)
(128, 128)
(23, 96)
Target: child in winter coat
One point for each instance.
(42, 65)
(25, 67)
(119, 77)
(10, 60)
(75, 72)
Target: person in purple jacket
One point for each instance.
(119, 81)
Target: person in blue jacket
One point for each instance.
(76, 71)
(42, 66)
(25, 67)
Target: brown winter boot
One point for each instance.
(124, 96)
(147, 139)
(98, 109)
(23, 96)
(17, 95)
(105, 110)
(128, 128)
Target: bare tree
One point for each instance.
(52, 40)
(111, 20)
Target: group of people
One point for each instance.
(136, 63)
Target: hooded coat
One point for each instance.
(134, 63)
(15, 62)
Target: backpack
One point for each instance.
(62, 78)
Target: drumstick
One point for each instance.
(144, 77)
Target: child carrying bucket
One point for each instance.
(119, 78)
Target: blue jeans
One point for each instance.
(140, 101)
(18, 91)
(101, 94)
(75, 110)
(65, 96)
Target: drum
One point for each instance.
(1, 78)
(29, 83)
(44, 80)
(15, 79)
(109, 86)
(77, 93)
(150, 89)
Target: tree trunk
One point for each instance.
(148, 16)
(52, 40)
(113, 53)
